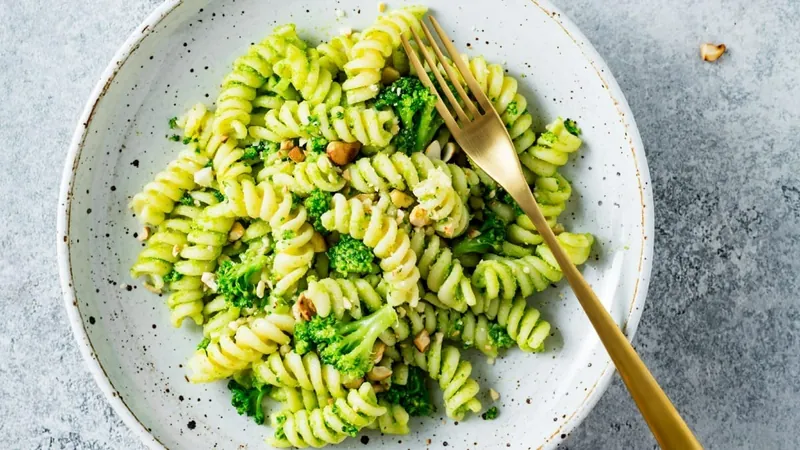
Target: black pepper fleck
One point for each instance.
(92, 320)
(365, 440)
(191, 425)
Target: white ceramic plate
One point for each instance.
(179, 55)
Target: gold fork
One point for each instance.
(484, 138)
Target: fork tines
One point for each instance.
(447, 65)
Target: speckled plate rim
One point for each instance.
(631, 320)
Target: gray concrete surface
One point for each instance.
(721, 327)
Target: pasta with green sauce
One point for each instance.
(339, 251)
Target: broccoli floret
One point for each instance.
(248, 400)
(317, 203)
(317, 144)
(236, 281)
(490, 413)
(203, 344)
(350, 430)
(319, 331)
(173, 123)
(188, 139)
(512, 108)
(491, 237)
(174, 137)
(506, 198)
(350, 349)
(186, 200)
(172, 276)
(218, 195)
(572, 127)
(415, 104)
(499, 336)
(413, 396)
(296, 201)
(350, 256)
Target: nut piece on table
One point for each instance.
(422, 341)
(712, 52)
(144, 234)
(296, 154)
(434, 150)
(342, 153)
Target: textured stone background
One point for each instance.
(721, 325)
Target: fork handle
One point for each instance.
(666, 424)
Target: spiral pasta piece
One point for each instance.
(227, 163)
(287, 220)
(506, 277)
(442, 205)
(394, 421)
(552, 149)
(304, 177)
(442, 272)
(329, 424)
(376, 45)
(311, 79)
(552, 194)
(242, 343)
(383, 172)
(369, 126)
(335, 54)
(159, 254)
(250, 72)
(342, 297)
(205, 238)
(158, 197)
(522, 322)
(389, 242)
(444, 364)
(305, 372)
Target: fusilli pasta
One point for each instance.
(243, 342)
(375, 46)
(349, 124)
(381, 233)
(329, 424)
(444, 364)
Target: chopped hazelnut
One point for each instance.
(379, 373)
(494, 395)
(353, 384)
(236, 233)
(434, 150)
(448, 152)
(297, 155)
(377, 351)
(422, 341)
(287, 144)
(419, 217)
(144, 234)
(342, 153)
(712, 52)
(303, 308)
(260, 288)
(210, 280)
